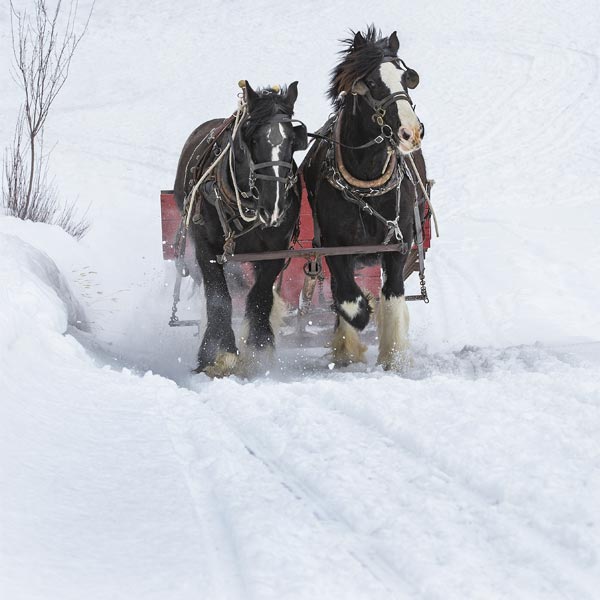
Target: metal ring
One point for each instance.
(386, 128)
(309, 272)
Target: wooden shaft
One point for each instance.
(312, 252)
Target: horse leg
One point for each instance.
(392, 315)
(353, 309)
(217, 355)
(264, 313)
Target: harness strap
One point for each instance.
(421, 253)
(393, 227)
(377, 140)
(271, 163)
(426, 190)
(355, 182)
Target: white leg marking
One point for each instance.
(278, 312)
(346, 347)
(392, 328)
(351, 309)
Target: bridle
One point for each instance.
(254, 168)
(380, 106)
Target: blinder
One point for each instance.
(410, 79)
(300, 137)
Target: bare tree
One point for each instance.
(44, 43)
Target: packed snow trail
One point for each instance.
(474, 476)
(476, 479)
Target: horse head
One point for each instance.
(371, 70)
(270, 140)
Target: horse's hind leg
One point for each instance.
(217, 355)
(264, 313)
(392, 315)
(353, 308)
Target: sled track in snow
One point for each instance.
(369, 557)
(496, 514)
(317, 474)
(226, 571)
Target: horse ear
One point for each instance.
(292, 93)
(251, 95)
(394, 43)
(359, 41)
(411, 78)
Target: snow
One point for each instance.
(476, 474)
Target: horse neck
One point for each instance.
(358, 128)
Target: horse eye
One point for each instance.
(370, 83)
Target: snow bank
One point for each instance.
(91, 491)
(34, 296)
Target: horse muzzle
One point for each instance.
(409, 139)
(268, 218)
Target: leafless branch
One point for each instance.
(43, 43)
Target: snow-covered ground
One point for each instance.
(476, 475)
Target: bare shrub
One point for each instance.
(44, 43)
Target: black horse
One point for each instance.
(250, 201)
(361, 190)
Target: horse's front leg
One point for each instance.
(264, 314)
(392, 314)
(218, 353)
(353, 309)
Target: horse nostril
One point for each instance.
(405, 134)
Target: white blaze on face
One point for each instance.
(277, 138)
(391, 75)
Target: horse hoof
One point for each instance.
(254, 362)
(346, 347)
(398, 361)
(224, 366)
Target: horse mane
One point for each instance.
(272, 101)
(358, 62)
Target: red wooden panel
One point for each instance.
(170, 220)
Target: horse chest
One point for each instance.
(345, 224)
